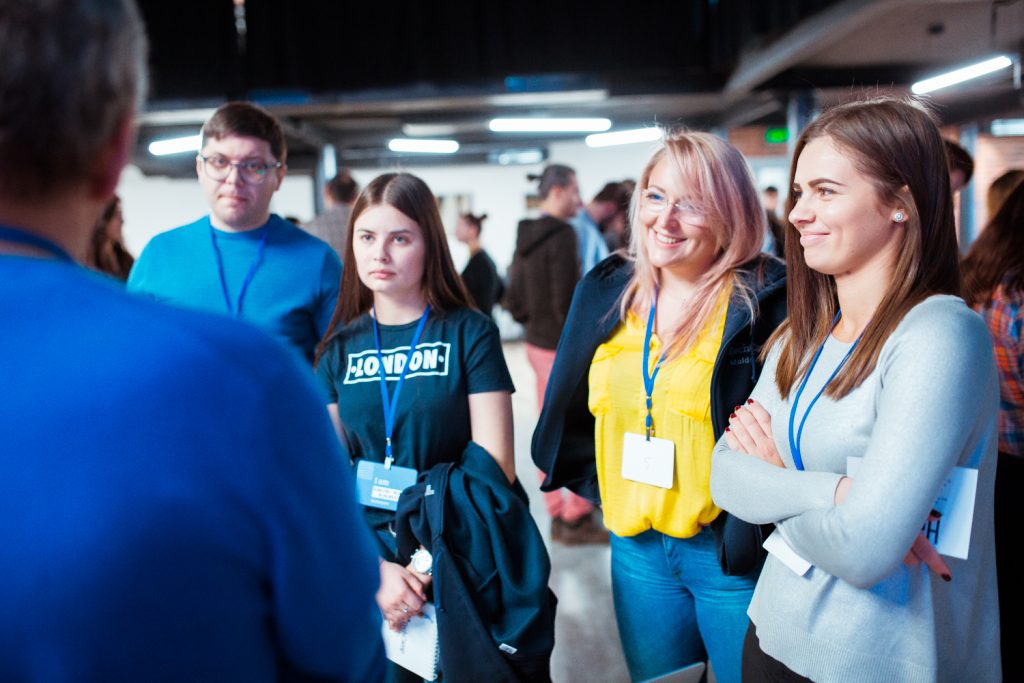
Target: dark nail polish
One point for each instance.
(947, 578)
(936, 514)
(726, 429)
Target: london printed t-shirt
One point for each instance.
(459, 353)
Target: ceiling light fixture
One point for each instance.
(423, 146)
(549, 125)
(960, 75)
(162, 148)
(623, 137)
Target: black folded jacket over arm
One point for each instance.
(495, 612)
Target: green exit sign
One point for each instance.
(775, 136)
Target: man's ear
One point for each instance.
(281, 173)
(112, 159)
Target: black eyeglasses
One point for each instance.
(218, 168)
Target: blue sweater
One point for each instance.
(173, 501)
(291, 295)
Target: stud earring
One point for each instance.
(899, 216)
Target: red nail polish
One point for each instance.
(750, 400)
(736, 408)
(726, 429)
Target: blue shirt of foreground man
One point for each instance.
(241, 260)
(173, 502)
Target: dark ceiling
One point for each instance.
(354, 74)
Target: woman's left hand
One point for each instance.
(750, 431)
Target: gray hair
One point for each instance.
(71, 73)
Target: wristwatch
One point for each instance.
(422, 561)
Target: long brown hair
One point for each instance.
(442, 286)
(896, 144)
(997, 253)
(723, 187)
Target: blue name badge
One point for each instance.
(379, 486)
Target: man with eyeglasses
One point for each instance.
(241, 259)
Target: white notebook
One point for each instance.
(415, 647)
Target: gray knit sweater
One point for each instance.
(860, 614)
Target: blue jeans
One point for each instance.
(675, 607)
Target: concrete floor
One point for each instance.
(586, 639)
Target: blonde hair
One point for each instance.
(722, 187)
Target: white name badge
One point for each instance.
(950, 534)
(380, 487)
(776, 545)
(648, 461)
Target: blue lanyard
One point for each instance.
(23, 237)
(236, 310)
(391, 405)
(649, 376)
(794, 443)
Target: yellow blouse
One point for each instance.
(681, 413)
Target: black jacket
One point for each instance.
(563, 443)
(545, 269)
(495, 612)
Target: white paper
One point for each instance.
(777, 546)
(648, 461)
(951, 534)
(415, 646)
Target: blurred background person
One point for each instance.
(1001, 188)
(480, 275)
(106, 249)
(615, 228)
(776, 237)
(544, 272)
(587, 223)
(961, 165)
(994, 285)
(331, 226)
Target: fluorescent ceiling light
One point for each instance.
(1004, 127)
(423, 146)
(161, 148)
(960, 75)
(624, 137)
(546, 125)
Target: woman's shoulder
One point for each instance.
(614, 270)
(466, 321)
(942, 325)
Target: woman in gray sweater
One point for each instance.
(879, 360)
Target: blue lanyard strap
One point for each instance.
(649, 376)
(236, 309)
(28, 239)
(391, 405)
(794, 441)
